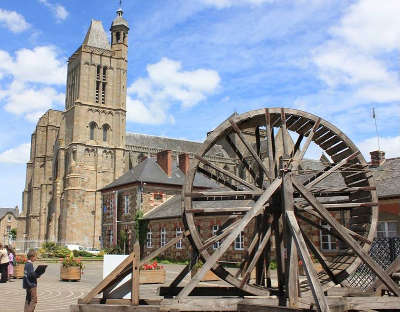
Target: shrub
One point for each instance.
(70, 261)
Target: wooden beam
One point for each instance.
(135, 274)
(381, 274)
(186, 270)
(257, 255)
(308, 141)
(248, 146)
(316, 289)
(218, 237)
(393, 267)
(331, 170)
(224, 194)
(218, 210)
(245, 263)
(211, 261)
(229, 174)
(109, 278)
(242, 159)
(271, 157)
(320, 257)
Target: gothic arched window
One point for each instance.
(92, 127)
(106, 128)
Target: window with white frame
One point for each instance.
(215, 230)
(163, 237)
(126, 204)
(328, 242)
(149, 238)
(386, 229)
(239, 242)
(178, 233)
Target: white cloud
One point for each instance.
(220, 4)
(150, 98)
(31, 75)
(355, 55)
(17, 155)
(13, 21)
(58, 10)
(390, 145)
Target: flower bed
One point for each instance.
(152, 274)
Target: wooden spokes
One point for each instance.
(286, 208)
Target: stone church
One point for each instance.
(77, 151)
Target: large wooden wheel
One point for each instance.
(281, 204)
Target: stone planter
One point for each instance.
(152, 276)
(19, 270)
(72, 273)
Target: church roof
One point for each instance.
(176, 145)
(4, 211)
(149, 171)
(96, 36)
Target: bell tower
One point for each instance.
(92, 144)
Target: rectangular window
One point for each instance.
(111, 206)
(178, 233)
(157, 196)
(149, 239)
(103, 93)
(126, 204)
(111, 237)
(97, 91)
(239, 241)
(163, 237)
(215, 232)
(386, 229)
(8, 229)
(328, 242)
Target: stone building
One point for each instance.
(8, 222)
(78, 151)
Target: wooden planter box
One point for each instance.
(19, 270)
(72, 273)
(152, 276)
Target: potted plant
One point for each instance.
(71, 268)
(152, 274)
(20, 261)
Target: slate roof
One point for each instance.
(96, 36)
(4, 211)
(163, 143)
(387, 178)
(150, 172)
(172, 207)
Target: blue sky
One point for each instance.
(193, 63)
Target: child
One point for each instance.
(30, 282)
(11, 257)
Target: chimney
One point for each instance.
(184, 163)
(377, 158)
(164, 160)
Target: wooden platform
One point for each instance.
(233, 304)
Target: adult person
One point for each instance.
(11, 258)
(4, 261)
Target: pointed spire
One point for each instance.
(96, 36)
(119, 20)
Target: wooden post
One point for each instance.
(135, 274)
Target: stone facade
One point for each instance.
(81, 149)
(8, 221)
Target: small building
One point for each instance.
(8, 222)
(143, 188)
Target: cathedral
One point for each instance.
(78, 151)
